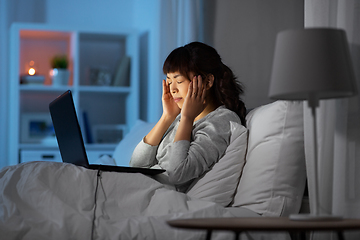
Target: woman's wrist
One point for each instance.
(188, 119)
(155, 135)
(166, 118)
(184, 130)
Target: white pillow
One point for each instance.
(273, 179)
(125, 148)
(219, 184)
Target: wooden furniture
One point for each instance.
(268, 224)
(109, 108)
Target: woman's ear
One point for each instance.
(209, 81)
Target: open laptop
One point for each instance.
(70, 140)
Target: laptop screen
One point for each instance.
(67, 130)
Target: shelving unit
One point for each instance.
(111, 110)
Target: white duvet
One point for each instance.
(43, 200)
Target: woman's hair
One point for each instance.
(201, 59)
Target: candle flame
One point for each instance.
(31, 71)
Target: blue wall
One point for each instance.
(91, 13)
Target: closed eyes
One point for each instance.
(176, 82)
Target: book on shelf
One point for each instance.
(122, 73)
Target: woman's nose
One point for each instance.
(173, 88)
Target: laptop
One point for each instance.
(70, 140)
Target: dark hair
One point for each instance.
(201, 59)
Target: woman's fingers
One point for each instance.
(165, 87)
(196, 88)
(195, 100)
(201, 89)
(166, 91)
(200, 83)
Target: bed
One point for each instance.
(261, 174)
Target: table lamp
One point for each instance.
(312, 64)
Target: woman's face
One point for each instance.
(179, 86)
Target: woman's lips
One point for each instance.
(177, 99)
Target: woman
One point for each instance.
(200, 98)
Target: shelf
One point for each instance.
(100, 146)
(95, 146)
(35, 146)
(89, 89)
(43, 88)
(107, 89)
(110, 107)
(40, 47)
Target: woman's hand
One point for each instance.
(170, 111)
(170, 108)
(193, 105)
(194, 102)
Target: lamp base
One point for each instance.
(312, 217)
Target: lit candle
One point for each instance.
(31, 70)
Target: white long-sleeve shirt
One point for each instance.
(185, 160)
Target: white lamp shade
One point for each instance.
(312, 62)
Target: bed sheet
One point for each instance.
(42, 200)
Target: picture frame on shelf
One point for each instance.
(37, 128)
(100, 76)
